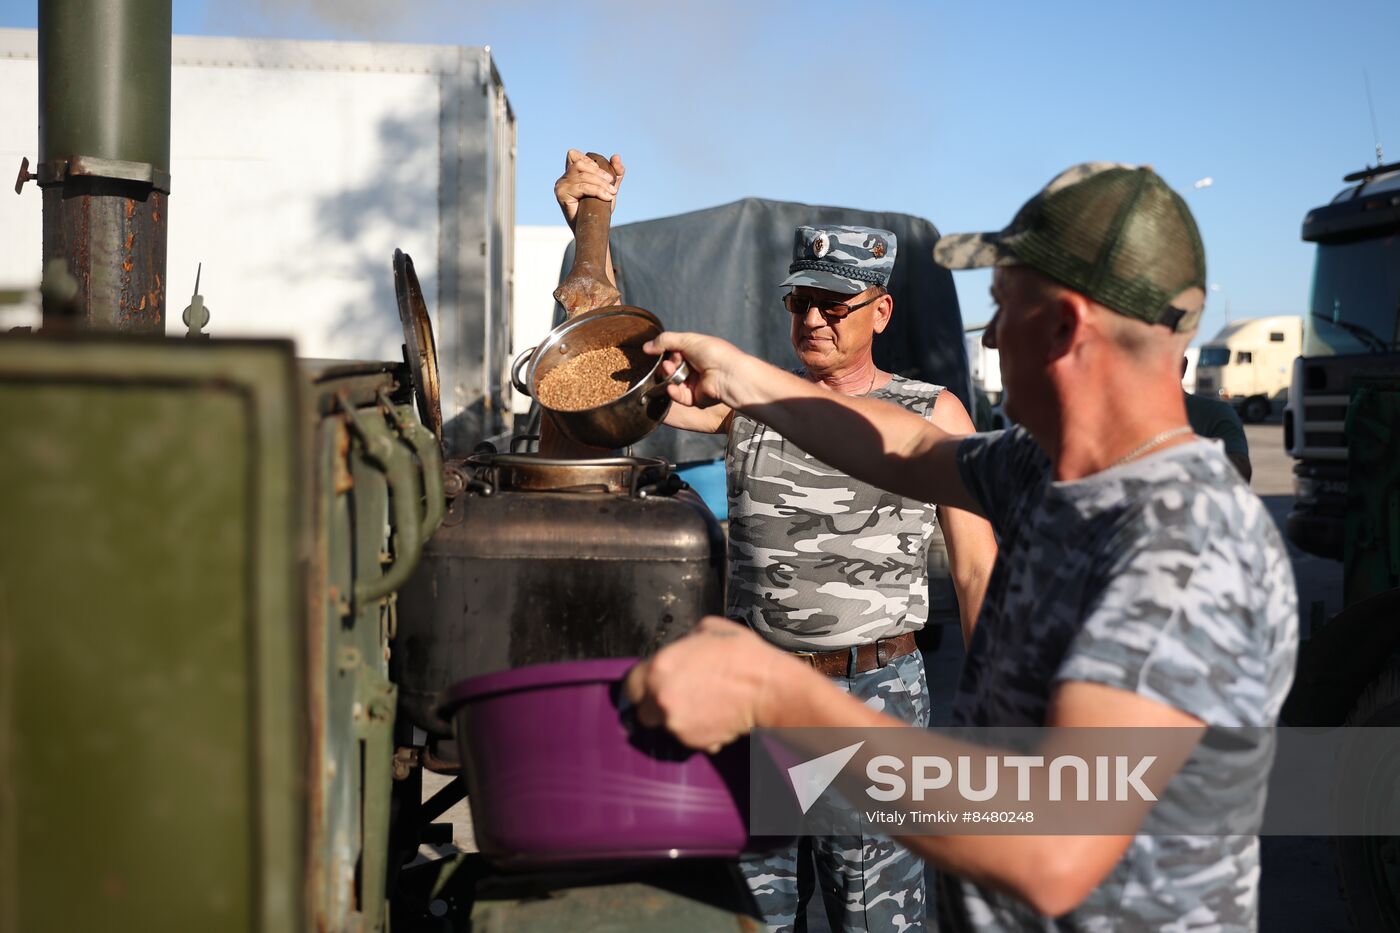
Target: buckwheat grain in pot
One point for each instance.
(593, 378)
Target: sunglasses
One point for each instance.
(832, 311)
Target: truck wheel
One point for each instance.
(1256, 409)
(1368, 867)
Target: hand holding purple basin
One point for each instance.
(557, 774)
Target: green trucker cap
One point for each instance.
(1112, 232)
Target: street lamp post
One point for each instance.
(1215, 287)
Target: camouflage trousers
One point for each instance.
(867, 883)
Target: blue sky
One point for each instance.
(952, 111)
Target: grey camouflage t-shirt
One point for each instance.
(818, 560)
(1165, 577)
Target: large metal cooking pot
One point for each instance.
(626, 419)
(543, 560)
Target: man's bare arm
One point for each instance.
(713, 420)
(882, 444)
(1054, 874)
(582, 178)
(972, 547)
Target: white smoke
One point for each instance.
(343, 19)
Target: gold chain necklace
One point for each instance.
(1153, 442)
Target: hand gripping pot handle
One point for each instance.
(654, 741)
(676, 378)
(516, 367)
(626, 709)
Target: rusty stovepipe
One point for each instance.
(104, 157)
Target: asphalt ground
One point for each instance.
(1298, 889)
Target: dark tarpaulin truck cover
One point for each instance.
(716, 271)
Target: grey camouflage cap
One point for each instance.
(1112, 232)
(842, 259)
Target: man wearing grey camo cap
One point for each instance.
(1138, 583)
(831, 569)
(836, 570)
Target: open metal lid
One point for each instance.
(533, 473)
(419, 351)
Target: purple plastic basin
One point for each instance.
(556, 773)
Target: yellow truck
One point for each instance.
(1250, 363)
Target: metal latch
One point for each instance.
(24, 174)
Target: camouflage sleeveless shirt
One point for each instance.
(818, 560)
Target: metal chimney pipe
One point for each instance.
(104, 156)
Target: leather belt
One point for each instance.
(860, 659)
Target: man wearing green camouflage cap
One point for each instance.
(1138, 583)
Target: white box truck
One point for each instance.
(1188, 373)
(539, 255)
(296, 169)
(1249, 364)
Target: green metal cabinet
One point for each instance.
(377, 480)
(151, 667)
(199, 549)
